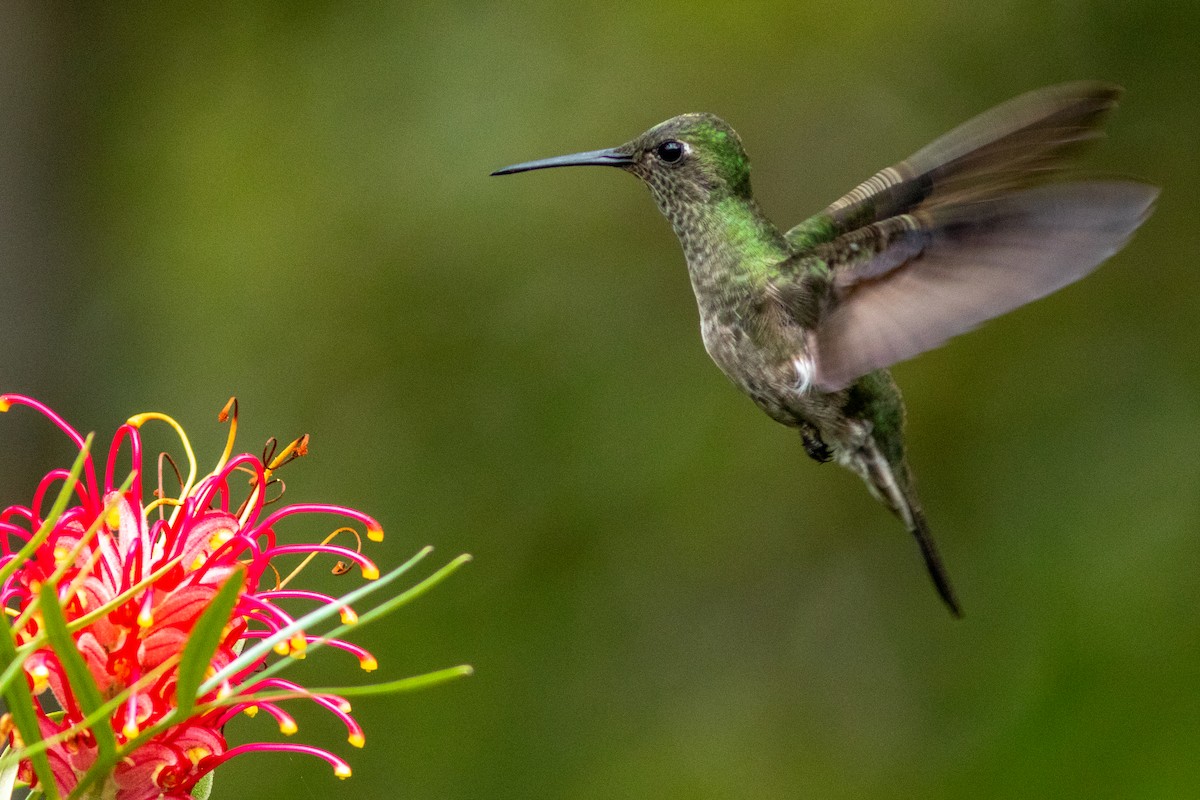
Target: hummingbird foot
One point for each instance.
(813, 444)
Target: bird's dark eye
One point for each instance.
(670, 151)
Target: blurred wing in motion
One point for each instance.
(946, 270)
(974, 225)
(1016, 144)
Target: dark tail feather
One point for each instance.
(896, 492)
(933, 562)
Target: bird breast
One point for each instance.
(776, 370)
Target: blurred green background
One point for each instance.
(289, 202)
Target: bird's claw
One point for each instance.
(813, 445)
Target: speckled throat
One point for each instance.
(731, 248)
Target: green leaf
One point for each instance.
(82, 684)
(408, 595)
(24, 713)
(264, 646)
(203, 787)
(203, 641)
(402, 685)
(8, 774)
(379, 612)
(326, 611)
(9, 675)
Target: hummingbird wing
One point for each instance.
(966, 229)
(907, 284)
(1016, 144)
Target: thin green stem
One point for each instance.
(372, 615)
(260, 649)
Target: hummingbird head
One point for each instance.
(687, 160)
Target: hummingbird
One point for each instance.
(807, 321)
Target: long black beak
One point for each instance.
(593, 158)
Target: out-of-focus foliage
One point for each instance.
(290, 202)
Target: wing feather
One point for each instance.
(1016, 144)
(979, 260)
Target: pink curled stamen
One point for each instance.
(369, 570)
(20, 399)
(52, 477)
(126, 431)
(340, 767)
(374, 529)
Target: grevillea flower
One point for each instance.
(132, 583)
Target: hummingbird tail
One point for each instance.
(933, 562)
(896, 492)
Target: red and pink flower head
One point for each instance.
(132, 580)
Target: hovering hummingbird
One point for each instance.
(806, 322)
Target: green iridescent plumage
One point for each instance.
(806, 322)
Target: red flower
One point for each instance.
(132, 581)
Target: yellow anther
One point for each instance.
(282, 648)
(287, 726)
(145, 618)
(348, 616)
(368, 663)
(250, 711)
(198, 754)
(131, 730)
(295, 449)
(220, 537)
(375, 533)
(39, 671)
(357, 739)
(299, 643)
(230, 413)
(370, 572)
(113, 518)
(342, 771)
